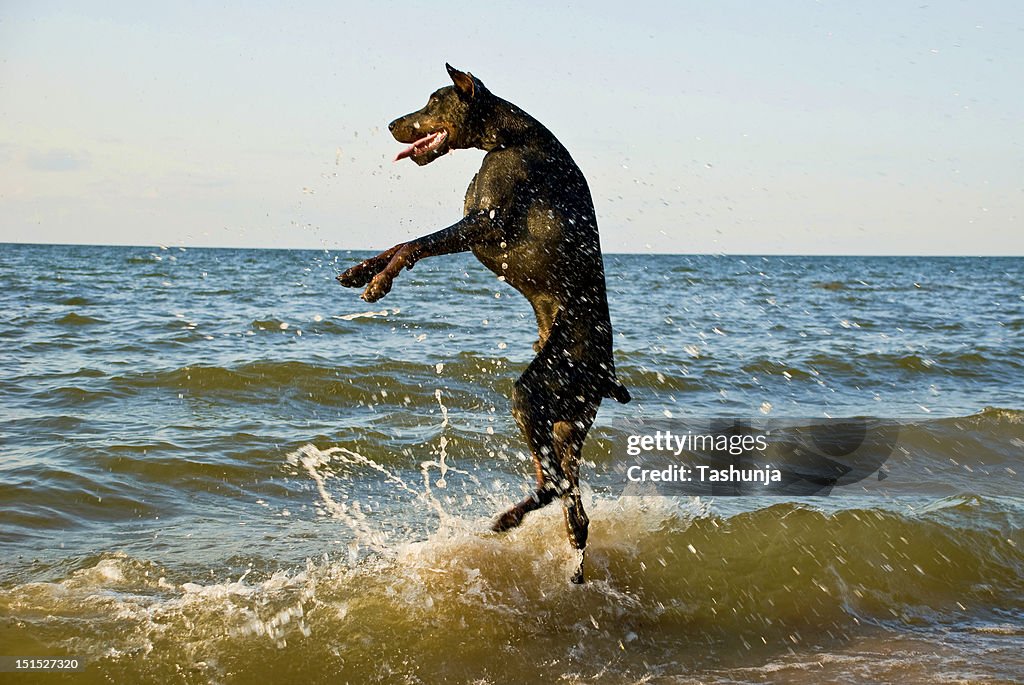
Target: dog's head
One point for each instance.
(450, 120)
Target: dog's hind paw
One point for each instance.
(577, 576)
(509, 520)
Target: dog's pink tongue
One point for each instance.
(411, 150)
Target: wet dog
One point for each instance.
(528, 217)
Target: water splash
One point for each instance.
(317, 463)
(442, 449)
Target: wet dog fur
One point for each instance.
(528, 217)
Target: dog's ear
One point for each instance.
(464, 83)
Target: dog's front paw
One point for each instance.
(378, 288)
(359, 275)
(349, 279)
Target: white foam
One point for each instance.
(362, 315)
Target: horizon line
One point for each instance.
(650, 253)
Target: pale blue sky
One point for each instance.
(738, 127)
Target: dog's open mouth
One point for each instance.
(427, 143)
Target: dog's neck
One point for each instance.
(508, 126)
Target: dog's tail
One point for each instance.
(617, 391)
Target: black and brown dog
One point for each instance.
(529, 218)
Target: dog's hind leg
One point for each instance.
(569, 437)
(533, 407)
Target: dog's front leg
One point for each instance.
(363, 272)
(381, 270)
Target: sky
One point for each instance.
(727, 127)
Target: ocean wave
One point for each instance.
(70, 500)
(275, 325)
(991, 432)
(832, 285)
(773, 367)
(396, 383)
(253, 376)
(77, 301)
(642, 377)
(73, 395)
(143, 259)
(74, 319)
(997, 416)
(670, 586)
(961, 364)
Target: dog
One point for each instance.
(528, 217)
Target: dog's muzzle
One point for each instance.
(426, 144)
